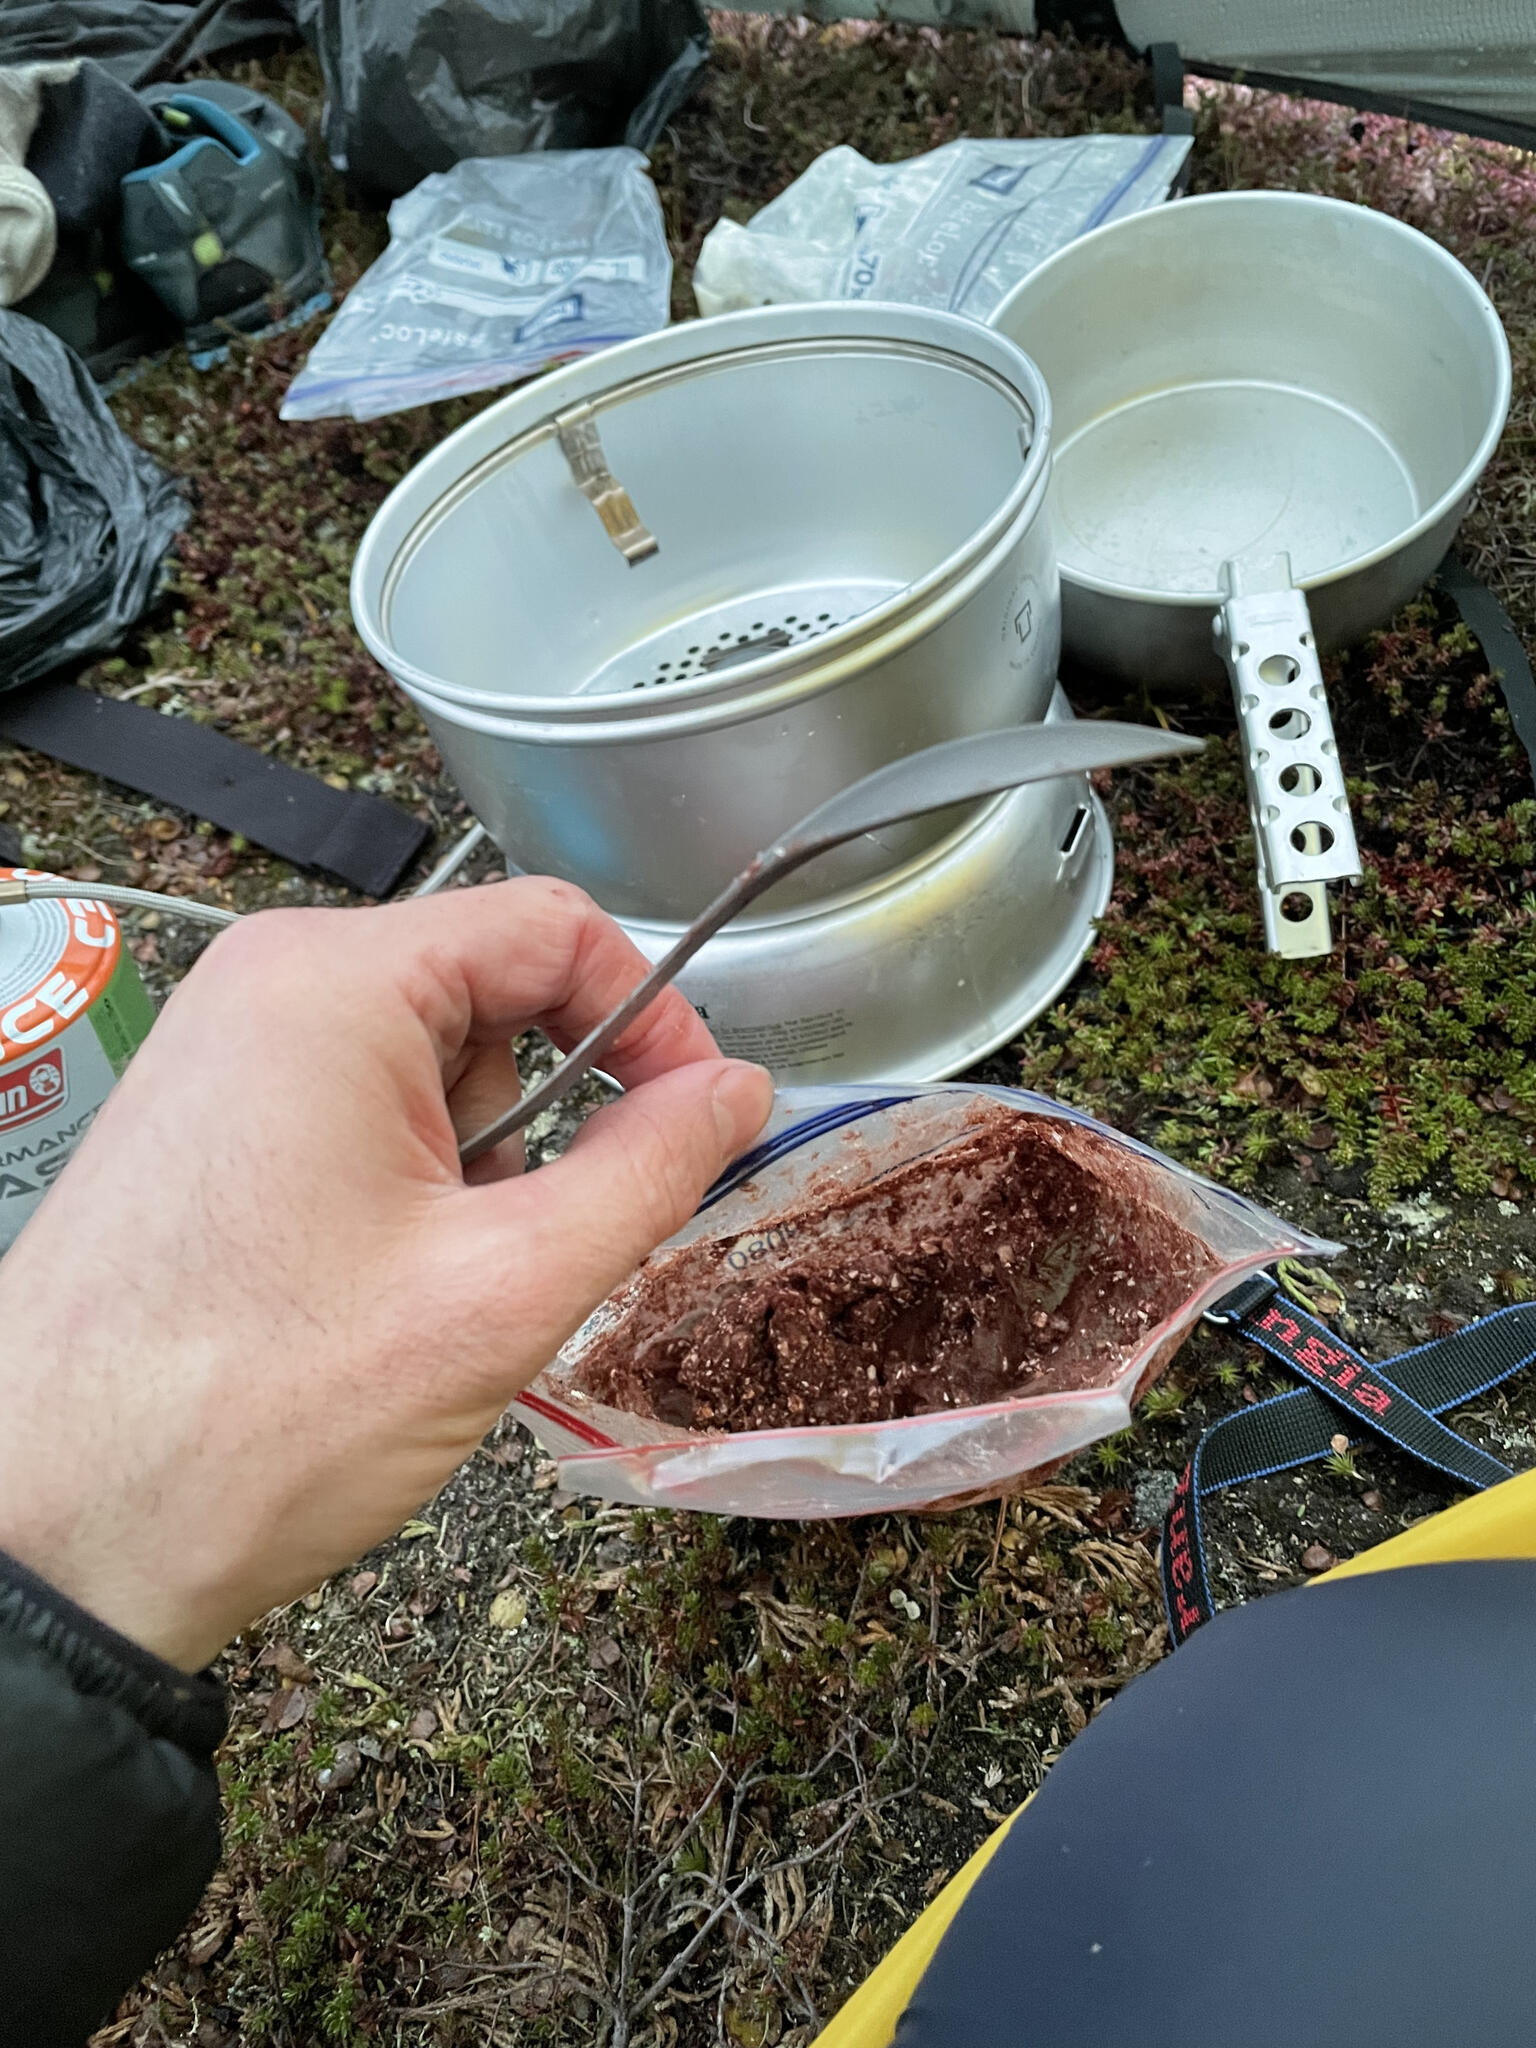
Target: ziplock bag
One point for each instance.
(494, 270)
(955, 229)
(1138, 1221)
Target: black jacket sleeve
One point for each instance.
(109, 1825)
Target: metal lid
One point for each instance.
(56, 958)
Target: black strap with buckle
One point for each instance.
(1401, 1401)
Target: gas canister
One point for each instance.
(72, 1013)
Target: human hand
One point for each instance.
(261, 1316)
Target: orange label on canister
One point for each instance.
(56, 980)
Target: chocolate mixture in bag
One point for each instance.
(1027, 1256)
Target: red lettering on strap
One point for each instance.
(1316, 1356)
(1180, 1558)
(1281, 1327)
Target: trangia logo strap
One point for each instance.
(1400, 1401)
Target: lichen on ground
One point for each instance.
(543, 1771)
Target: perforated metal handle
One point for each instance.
(1301, 822)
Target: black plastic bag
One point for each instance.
(85, 516)
(124, 34)
(418, 85)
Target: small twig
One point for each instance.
(173, 681)
(997, 1534)
(756, 1928)
(627, 1930)
(585, 1877)
(490, 1973)
(689, 1831)
(685, 1956)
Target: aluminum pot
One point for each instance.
(666, 599)
(916, 975)
(1245, 374)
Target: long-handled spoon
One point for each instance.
(957, 771)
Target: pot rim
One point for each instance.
(775, 692)
(693, 347)
(1457, 277)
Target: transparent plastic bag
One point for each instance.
(955, 229)
(821, 1142)
(494, 270)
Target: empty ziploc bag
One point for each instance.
(899, 1298)
(495, 270)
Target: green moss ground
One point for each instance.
(542, 1772)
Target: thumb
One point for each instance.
(635, 1173)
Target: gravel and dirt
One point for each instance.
(541, 1771)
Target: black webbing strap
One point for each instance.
(1168, 93)
(1503, 650)
(362, 839)
(1400, 1402)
